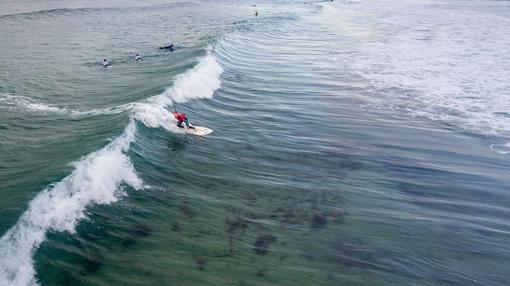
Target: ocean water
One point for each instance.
(355, 143)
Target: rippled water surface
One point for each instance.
(354, 143)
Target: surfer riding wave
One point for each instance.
(181, 117)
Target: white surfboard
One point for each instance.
(199, 131)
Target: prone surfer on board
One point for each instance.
(181, 117)
(169, 47)
(106, 63)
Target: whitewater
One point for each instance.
(98, 178)
(434, 62)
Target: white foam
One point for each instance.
(97, 177)
(501, 148)
(102, 111)
(95, 180)
(199, 82)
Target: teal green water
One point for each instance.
(350, 145)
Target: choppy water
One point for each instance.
(355, 143)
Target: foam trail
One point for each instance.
(103, 111)
(14, 101)
(27, 103)
(96, 178)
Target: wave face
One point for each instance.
(98, 177)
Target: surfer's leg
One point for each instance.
(188, 125)
(179, 124)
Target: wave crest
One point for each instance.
(199, 82)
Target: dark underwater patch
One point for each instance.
(201, 263)
(318, 221)
(135, 233)
(187, 211)
(261, 245)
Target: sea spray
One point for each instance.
(199, 82)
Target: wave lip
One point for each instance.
(97, 177)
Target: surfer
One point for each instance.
(169, 47)
(106, 63)
(138, 57)
(256, 13)
(181, 117)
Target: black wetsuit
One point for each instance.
(170, 48)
